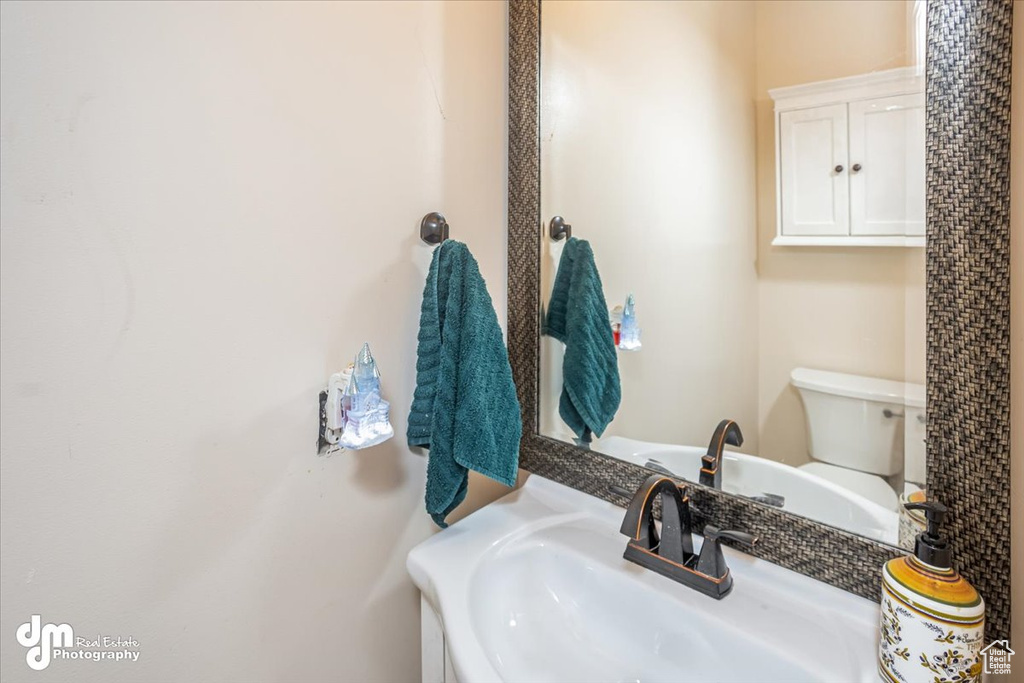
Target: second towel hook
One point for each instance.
(560, 229)
(433, 228)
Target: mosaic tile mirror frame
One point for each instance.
(968, 304)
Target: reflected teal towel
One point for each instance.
(465, 408)
(578, 317)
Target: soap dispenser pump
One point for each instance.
(933, 621)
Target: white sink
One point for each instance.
(805, 493)
(533, 588)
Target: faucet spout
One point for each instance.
(674, 542)
(727, 432)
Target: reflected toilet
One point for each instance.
(862, 431)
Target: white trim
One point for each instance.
(901, 81)
(917, 31)
(777, 170)
(848, 241)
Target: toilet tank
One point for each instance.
(853, 421)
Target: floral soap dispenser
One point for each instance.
(933, 621)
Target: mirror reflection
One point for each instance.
(733, 284)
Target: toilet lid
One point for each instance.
(870, 486)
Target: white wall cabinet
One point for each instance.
(850, 161)
(813, 157)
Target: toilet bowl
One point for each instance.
(857, 431)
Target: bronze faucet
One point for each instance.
(728, 432)
(670, 553)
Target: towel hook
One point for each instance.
(560, 229)
(433, 228)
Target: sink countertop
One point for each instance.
(534, 587)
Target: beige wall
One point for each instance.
(188, 192)
(850, 310)
(206, 209)
(1017, 338)
(661, 182)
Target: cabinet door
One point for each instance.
(814, 191)
(887, 166)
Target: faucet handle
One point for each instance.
(741, 537)
(711, 561)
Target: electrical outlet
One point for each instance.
(321, 439)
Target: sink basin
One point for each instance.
(805, 494)
(533, 588)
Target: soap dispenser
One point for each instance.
(933, 621)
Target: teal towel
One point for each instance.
(578, 317)
(465, 408)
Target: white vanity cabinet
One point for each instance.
(849, 159)
(435, 660)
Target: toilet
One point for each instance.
(914, 446)
(861, 430)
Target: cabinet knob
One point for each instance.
(856, 167)
(839, 168)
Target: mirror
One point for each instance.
(749, 179)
